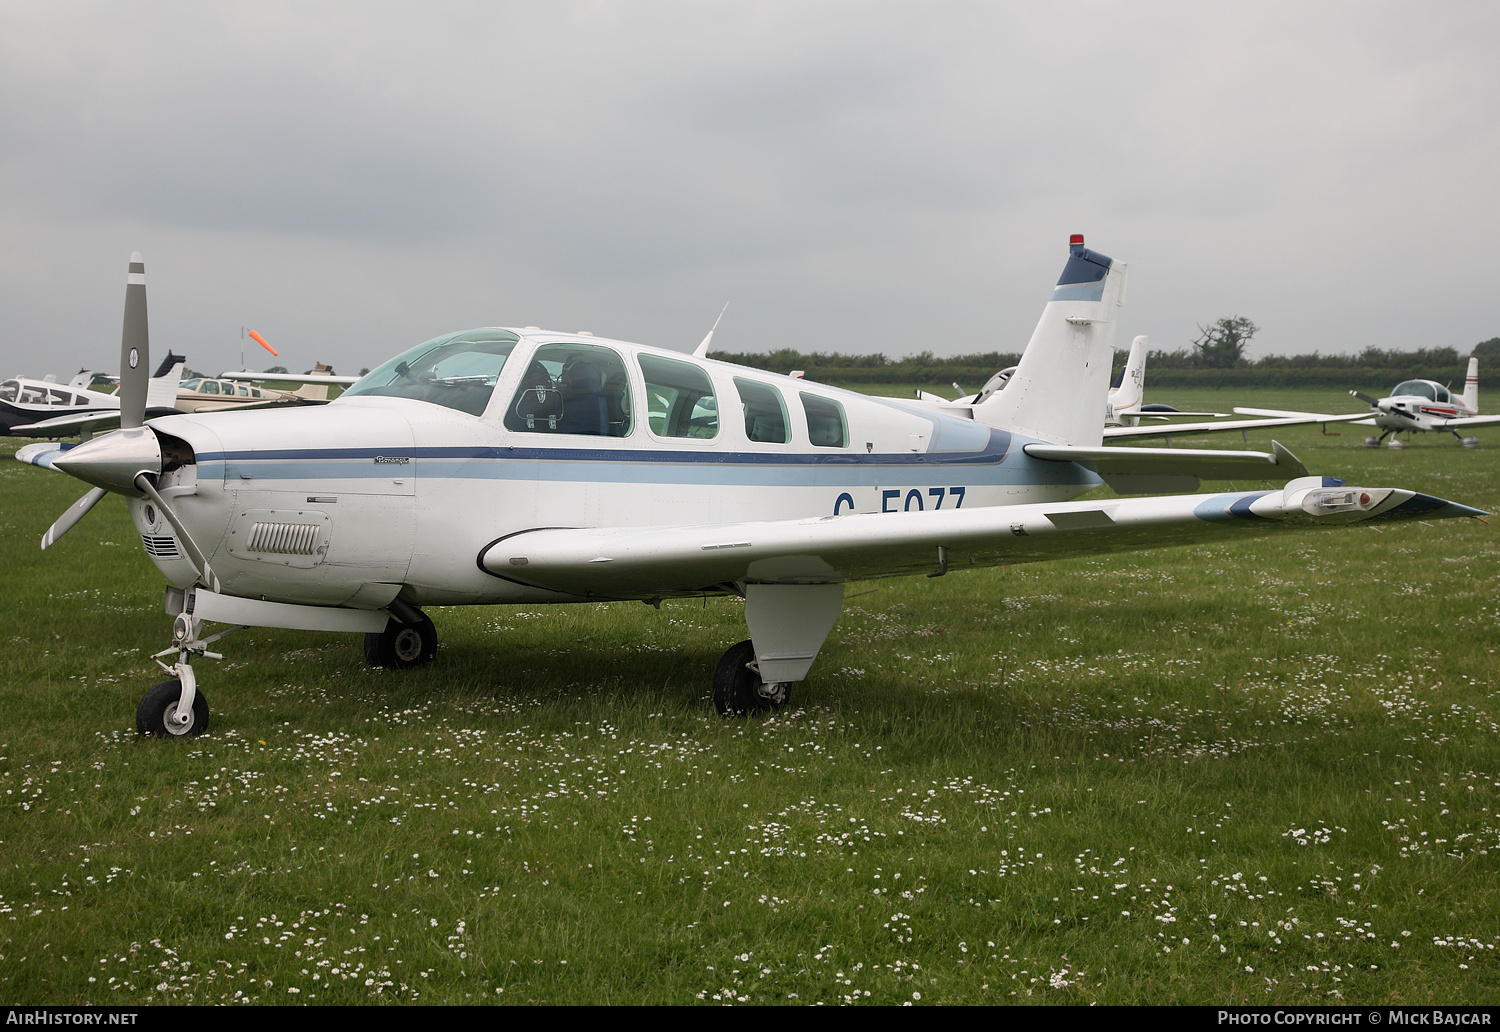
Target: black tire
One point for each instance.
(402, 645)
(738, 690)
(151, 714)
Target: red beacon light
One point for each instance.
(1076, 240)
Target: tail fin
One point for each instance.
(1127, 397)
(1471, 385)
(161, 389)
(1059, 390)
(312, 391)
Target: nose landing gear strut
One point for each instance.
(176, 708)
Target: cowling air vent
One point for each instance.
(161, 546)
(284, 537)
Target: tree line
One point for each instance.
(1372, 368)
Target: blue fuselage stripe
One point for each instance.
(997, 463)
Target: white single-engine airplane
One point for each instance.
(40, 408)
(504, 466)
(1414, 405)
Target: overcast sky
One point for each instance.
(350, 179)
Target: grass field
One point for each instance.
(1266, 771)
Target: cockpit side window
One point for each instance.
(8, 390)
(680, 399)
(765, 412)
(573, 389)
(210, 387)
(457, 371)
(826, 425)
(189, 385)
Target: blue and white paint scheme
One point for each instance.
(519, 465)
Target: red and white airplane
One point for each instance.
(1414, 405)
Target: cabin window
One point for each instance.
(209, 387)
(1442, 395)
(458, 371)
(573, 389)
(765, 412)
(255, 392)
(242, 390)
(8, 390)
(60, 397)
(826, 426)
(680, 400)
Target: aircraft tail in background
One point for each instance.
(1471, 386)
(1061, 386)
(1131, 391)
(161, 389)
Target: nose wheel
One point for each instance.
(738, 688)
(176, 708)
(159, 714)
(402, 644)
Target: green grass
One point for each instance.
(1265, 771)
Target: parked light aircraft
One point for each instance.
(1124, 408)
(1416, 405)
(39, 408)
(207, 394)
(505, 465)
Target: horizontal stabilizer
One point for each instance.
(1154, 470)
(657, 562)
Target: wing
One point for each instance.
(1468, 421)
(1221, 425)
(1156, 470)
(655, 562)
(82, 422)
(42, 453)
(344, 381)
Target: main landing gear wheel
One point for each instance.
(156, 714)
(402, 645)
(738, 689)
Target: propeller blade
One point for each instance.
(195, 555)
(1362, 396)
(135, 347)
(75, 512)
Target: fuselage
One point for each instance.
(1420, 405)
(24, 401)
(401, 483)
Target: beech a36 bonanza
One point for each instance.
(505, 466)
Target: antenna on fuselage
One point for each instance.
(701, 351)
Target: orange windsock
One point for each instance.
(262, 342)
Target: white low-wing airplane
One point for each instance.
(1415, 405)
(504, 466)
(40, 408)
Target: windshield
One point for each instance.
(456, 371)
(1414, 388)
